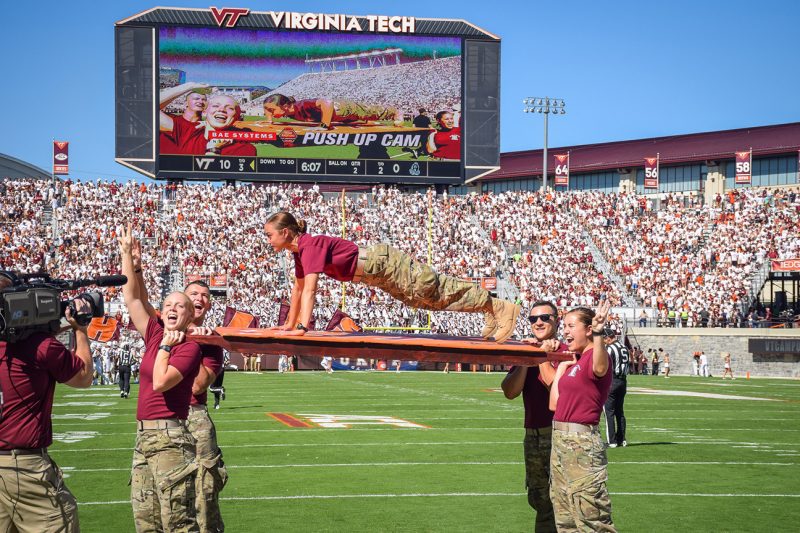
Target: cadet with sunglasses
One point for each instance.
(533, 383)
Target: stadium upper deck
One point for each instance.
(696, 164)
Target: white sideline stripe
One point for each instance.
(225, 420)
(305, 444)
(73, 470)
(452, 443)
(454, 495)
(294, 430)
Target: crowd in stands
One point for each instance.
(692, 265)
(433, 84)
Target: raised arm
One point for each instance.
(599, 352)
(137, 271)
(167, 96)
(131, 291)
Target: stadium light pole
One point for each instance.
(545, 106)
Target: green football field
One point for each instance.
(703, 454)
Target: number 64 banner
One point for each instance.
(562, 169)
(744, 165)
(651, 172)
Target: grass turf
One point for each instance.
(692, 464)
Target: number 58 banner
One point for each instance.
(744, 165)
(651, 172)
(562, 169)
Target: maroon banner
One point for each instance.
(103, 329)
(786, 265)
(60, 157)
(744, 163)
(341, 321)
(238, 319)
(562, 169)
(283, 314)
(651, 172)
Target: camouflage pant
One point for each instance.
(163, 481)
(537, 479)
(33, 497)
(578, 474)
(211, 473)
(350, 110)
(418, 285)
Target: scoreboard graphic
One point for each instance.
(308, 97)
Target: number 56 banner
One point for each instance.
(651, 172)
(744, 164)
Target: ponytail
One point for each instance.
(284, 219)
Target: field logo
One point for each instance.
(228, 16)
(348, 421)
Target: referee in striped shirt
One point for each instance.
(614, 410)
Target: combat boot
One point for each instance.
(506, 314)
(491, 324)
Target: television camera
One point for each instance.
(32, 303)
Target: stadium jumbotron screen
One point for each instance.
(271, 97)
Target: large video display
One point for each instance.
(281, 104)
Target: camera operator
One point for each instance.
(33, 496)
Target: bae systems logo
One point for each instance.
(228, 16)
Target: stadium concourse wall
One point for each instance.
(681, 343)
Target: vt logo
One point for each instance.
(228, 16)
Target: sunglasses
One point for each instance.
(545, 318)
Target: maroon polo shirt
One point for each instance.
(212, 360)
(29, 371)
(174, 403)
(320, 254)
(581, 394)
(536, 397)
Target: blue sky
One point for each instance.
(626, 69)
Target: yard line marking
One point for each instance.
(285, 419)
(444, 463)
(453, 495)
(710, 395)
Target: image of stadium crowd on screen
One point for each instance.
(330, 96)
